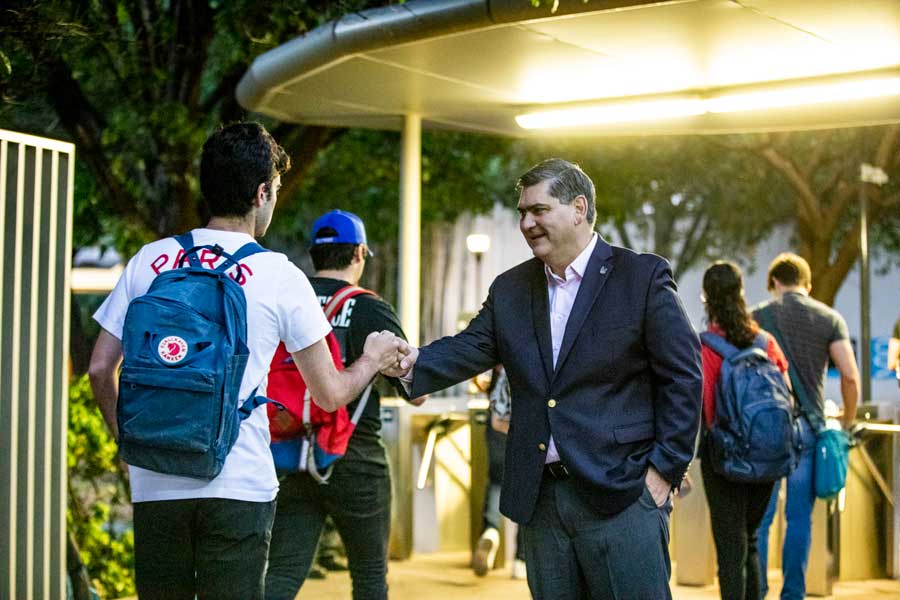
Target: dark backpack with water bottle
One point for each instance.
(754, 436)
(185, 351)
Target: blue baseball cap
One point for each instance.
(349, 229)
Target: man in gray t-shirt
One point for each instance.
(809, 329)
(810, 333)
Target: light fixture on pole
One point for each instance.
(478, 244)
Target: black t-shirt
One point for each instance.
(359, 317)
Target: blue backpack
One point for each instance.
(754, 437)
(185, 351)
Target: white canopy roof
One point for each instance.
(477, 64)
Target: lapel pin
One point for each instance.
(604, 269)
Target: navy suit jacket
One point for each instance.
(626, 388)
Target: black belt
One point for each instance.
(556, 470)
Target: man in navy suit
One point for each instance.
(604, 369)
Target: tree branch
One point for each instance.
(837, 271)
(86, 126)
(835, 211)
(145, 56)
(188, 50)
(887, 147)
(831, 183)
(808, 202)
(822, 146)
(692, 246)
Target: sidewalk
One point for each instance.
(447, 577)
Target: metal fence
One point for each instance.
(36, 179)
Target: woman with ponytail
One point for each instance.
(735, 508)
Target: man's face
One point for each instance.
(549, 227)
(264, 212)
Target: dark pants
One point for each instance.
(575, 553)
(209, 547)
(496, 447)
(735, 511)
(358, 499)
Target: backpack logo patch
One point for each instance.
(172, 349)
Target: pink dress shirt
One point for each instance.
(561, 293)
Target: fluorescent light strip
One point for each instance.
(804, 95)
(612, 113)
(654, 110)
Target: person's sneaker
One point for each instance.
(316, 572)
(332, 563)
(486, 551)
(519, 571)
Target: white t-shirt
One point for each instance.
(281, 306)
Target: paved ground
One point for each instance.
(447, 577)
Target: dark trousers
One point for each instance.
(209, 547)
(358, 499)
(496, 447)
(575, 553)
(735, 511)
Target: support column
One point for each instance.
(409, 248)
(865, 299)
(875, 176)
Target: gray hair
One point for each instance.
(567, 182)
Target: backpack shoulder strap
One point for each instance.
(187, 243)
(331, 309)
(248, 249)
(762, 342)
(718, 344)
(341, 296)
(243, 252)
(361, 406)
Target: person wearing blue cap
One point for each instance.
(358, 494)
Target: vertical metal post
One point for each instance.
(875, 176)
(478, 297)
(865, 343)
(410, 226)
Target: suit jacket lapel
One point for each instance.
(597, 272)
(540, 314)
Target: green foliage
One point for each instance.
(99, 510)
(138, 87)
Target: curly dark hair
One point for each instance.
(725, 306)
(235, 160)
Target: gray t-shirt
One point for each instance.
(808, 327)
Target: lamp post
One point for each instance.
(478, 244)
(875, 176)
